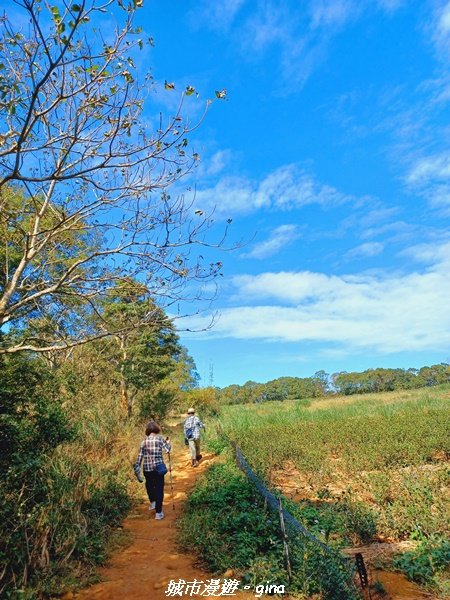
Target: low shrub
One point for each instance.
(104, 509)
(428, 560)
(342, 520)
(227, 525)
(57, 507)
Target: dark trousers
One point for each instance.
(154, 483)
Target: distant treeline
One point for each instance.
(321, 384)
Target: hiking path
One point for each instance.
(142, 570)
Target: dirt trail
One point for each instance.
(142, 570)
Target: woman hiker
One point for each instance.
(192, 425)
(150, 452)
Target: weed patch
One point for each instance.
(226, 524)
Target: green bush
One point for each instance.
(104, 509)
(343, 521)
(226, 524)
(31, 419)
(239, 535)
(56, 509)
(378, 446)
(32, 424)
(423, 564)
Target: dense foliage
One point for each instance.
(65, 430)
(228, 526)
(321, 384)
(84, 173)
(52, 509)
(429, 560)
(361, 469)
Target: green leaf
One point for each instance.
(128, 77)
(76, 7)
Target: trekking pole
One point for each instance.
(171, 482)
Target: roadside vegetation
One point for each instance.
(358, 469)
(63, 487)
(228, 526)
(66, 448)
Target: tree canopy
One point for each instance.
(85, 173)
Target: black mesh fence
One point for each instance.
(272, 501)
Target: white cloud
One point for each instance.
(366, 250)
(370, 222)
(302, 35)
(444, 19)
(379, 313)
(229, 196)
(431, 254)
(378, 215)
(430, 176)
(331, 13)
(217, 163)
(397, 231)
(286, 188)
(437, 90)
(440, 29)
(431, 168)
(269, 24)
(216, 15)
(279, 238)
(439, 197)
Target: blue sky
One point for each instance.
(331, 154)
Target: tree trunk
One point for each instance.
(125, 397)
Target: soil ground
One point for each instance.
(143, 570)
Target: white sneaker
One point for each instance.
(159, 516)
(152, 506)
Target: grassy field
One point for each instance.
(357, 469)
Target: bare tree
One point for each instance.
(84, 200)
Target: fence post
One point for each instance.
(363, 577)
(285, 541)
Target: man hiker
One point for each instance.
(192, 425)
